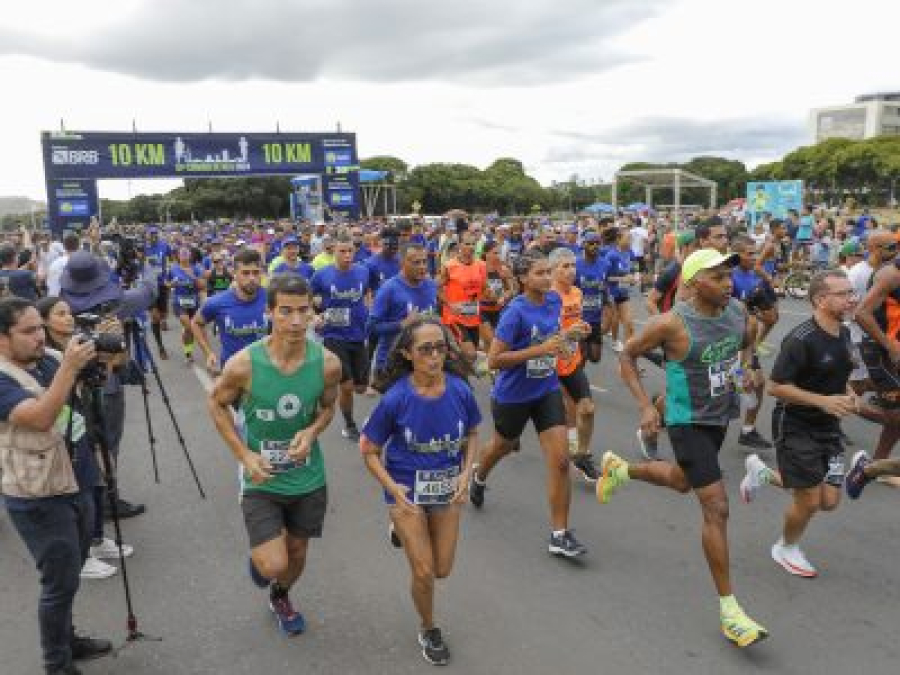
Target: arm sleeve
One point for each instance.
(209, 309)
(508, 326)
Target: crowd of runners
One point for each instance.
(295, 322)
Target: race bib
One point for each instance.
(435, 486)
(540, 367)
(61, 425)
(495, 286)
(187, 302)
(276, 454)
(468, 308)
(721, 377)
(591, 302)
(338, 316)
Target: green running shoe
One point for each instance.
(614, 473)
(741, 629)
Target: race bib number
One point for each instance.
(540, 367)
(187, 302)
(435, 486)
(338, 316)
(276, 454)
(467, 308)
(61, 426)
(721, 377)
(591, 302)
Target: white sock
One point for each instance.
(558, 533)
(747, 428)
(572, 434)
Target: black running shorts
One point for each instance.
(696, 450)
(545, 412)
(576, 384)
(267, 514)
(354, 359)
(805, 454)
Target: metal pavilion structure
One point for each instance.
(669, 178)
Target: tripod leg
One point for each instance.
(168, 404)
(135, 342)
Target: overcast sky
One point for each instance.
(567, 86)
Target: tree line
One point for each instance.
(832, 170)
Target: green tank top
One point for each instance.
(275, 409)
(700, 389)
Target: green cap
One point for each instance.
(706, 259)
(685, 237)
(851, 248)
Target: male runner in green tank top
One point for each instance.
(286, 385)
(703, 340)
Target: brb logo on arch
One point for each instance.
(67, 157)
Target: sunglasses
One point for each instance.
(429, 348)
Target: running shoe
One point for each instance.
(753, 439)
(290, 620)
(649, 446)
(585, 465)
(434, 649)
(394, 537)
(255, 576)
(740, 628)
(614, 474)
(351, 433)
(94, 568)
(107, 549)
(757, 475)
(855, 481)
(792, 559)
(566, 545)
(476, 489)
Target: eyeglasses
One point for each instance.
(849, 293)
(429, 348)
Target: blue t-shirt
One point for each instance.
(393, 303)
(422, 438)
(87, 472)
(343, 298)
(185, 294)
(274, 251)
(619, 264)
(240, 322)
(523, 324)
(744, 283)
(590, 277)
(158, 255)
(805, 228)
(302, 269)
(381, 269)
(361, 254)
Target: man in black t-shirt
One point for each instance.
(810, 383)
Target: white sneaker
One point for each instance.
(97, 569)
(758, 474)
(792, 559)
(107, 549)
(617, 346)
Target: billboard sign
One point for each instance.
(774, 197)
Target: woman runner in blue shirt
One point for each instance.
(526, 343)
(188, 284)
(420, 442)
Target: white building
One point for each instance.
(869, 116)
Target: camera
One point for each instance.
(104, 343)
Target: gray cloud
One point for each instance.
(464, 41)
(662, 139)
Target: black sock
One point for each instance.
(348, 418)
(156, 329)
(277, 591)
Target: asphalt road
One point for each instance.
(640, 602)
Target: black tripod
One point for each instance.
(134, 333)
(92, 380)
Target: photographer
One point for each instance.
(47, 482)
(59, 327)
(89, 288)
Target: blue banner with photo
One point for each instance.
(773, 197)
